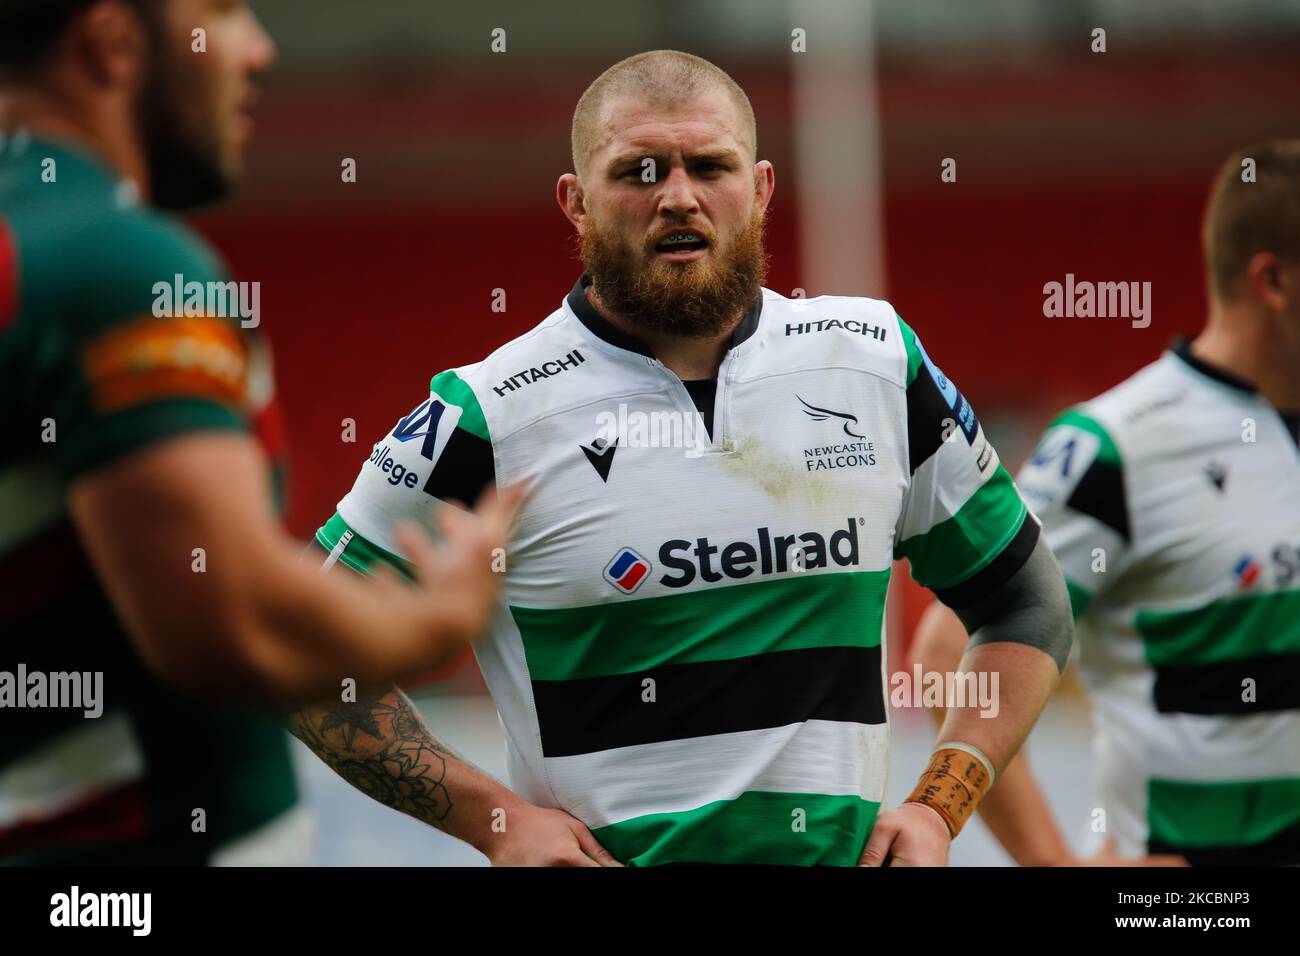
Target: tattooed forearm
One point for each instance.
(380, 745)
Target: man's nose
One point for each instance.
(677, 196)
(262, 52)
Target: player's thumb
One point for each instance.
(877, 848)
(592, 847)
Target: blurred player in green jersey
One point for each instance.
(138, 534)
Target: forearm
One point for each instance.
(1023, 679)
(381, 746)
(307, 632)
(1020, 639)
(1015, 809)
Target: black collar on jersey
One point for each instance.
(600, 327)
(1182, 347)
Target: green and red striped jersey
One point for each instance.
(90, 374)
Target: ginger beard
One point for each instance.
(698, 299)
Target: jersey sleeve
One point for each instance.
(964, 529)
(122, 364)
(1074, 482)
(440, 452)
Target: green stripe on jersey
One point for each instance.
(804, 610)
(909, 345)
(1079, 598)
(359, 554)
(1249, 626)
(453, 388)
(1108, 453)
(756, 827)
(961, 545)
(1239, 813)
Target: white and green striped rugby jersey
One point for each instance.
(1171, 503)
(690, 661)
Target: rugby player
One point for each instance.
(689, 665)
(1170, 501)
(130, 441)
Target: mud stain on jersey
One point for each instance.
(782, 479)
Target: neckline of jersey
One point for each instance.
(1182, 348)
(599, 326)
(83, 158)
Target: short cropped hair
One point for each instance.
(1254, 213)
(31, 30)
(659, 76)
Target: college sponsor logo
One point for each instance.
(773, 554)
(151, 359)
(961, 409)
(858, 454)
(627, 570)
(530, 375)
(876, 332)
(396, 473)
(432, 422)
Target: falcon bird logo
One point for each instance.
(821, 414)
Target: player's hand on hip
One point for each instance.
(463, 574)
(535, 836)
(912, 835)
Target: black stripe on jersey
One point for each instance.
(710, 697)
(1281, 849)
(1100, 495)
(997, 572)
(1216, 689)
(463, 470)
(929, 418)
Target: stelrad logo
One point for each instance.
(774, 554)
(627, 570)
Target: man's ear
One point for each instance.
(110, 40)
(1266, 281)
(572, 199)
(764, 183)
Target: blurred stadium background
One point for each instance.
(1067, 161)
